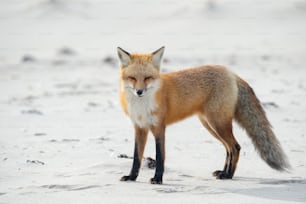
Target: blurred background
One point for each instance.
(62, 128)
(188, 29)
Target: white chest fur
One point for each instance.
(141, 109)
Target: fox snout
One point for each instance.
(139, 92)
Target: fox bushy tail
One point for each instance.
(251, 116)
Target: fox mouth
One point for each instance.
(139, 92)
(142, 92)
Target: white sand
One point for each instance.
(62, 127)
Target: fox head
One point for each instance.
(140, 72)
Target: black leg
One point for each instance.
(230, 164)
(135, 168)
(158, 177)
(227, 172)
(218, 173)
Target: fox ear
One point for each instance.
(157, 56)
(124, 56)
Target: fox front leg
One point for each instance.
(160, 155)
(140, 142)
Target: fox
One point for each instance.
(217, 96)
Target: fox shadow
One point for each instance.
(290, 190)
(274, 189)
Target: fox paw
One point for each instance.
(128, 178)
(222, 175)
(156, 181)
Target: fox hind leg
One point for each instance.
(232, 155)
(213, 133)
(222, 130)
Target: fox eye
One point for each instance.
(148, 78)
(132, 78)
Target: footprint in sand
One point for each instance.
(58, 187)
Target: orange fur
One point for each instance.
(216, 95)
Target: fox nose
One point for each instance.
(139, 92)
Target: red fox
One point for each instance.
(154, 100)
